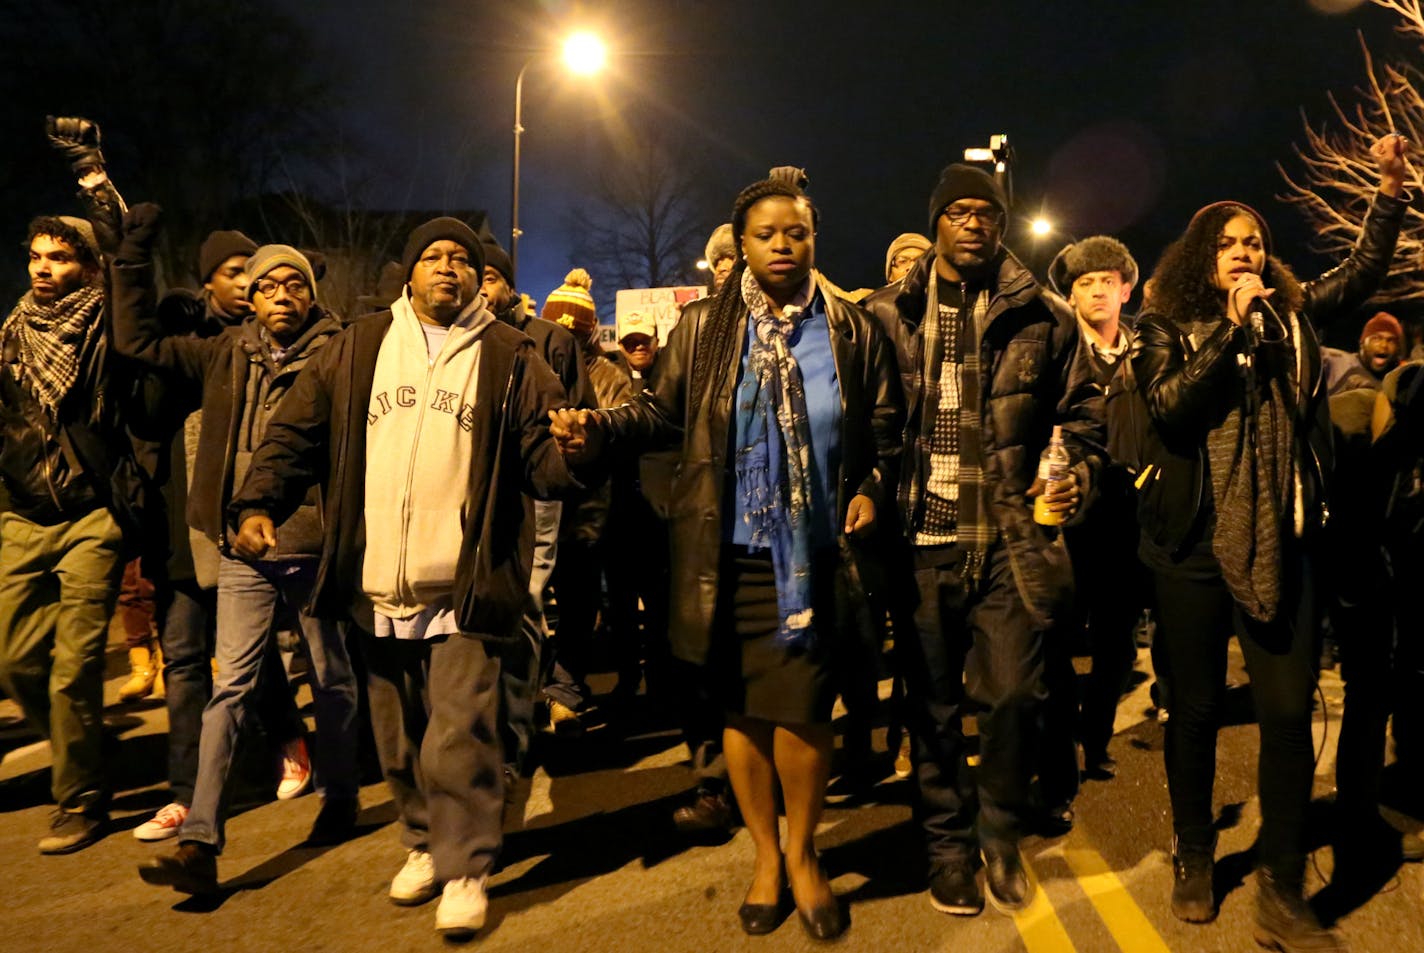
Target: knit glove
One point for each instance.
(140, 231)
(77, 139)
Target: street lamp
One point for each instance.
(1041, 227)
(583, 55)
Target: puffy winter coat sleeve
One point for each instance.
(887, 416)
(1080, 409)
(1349, 284)
(1182, 390)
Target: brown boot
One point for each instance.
(143, 670)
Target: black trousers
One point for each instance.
(976, 646)
(1197, 617)
(434, 704)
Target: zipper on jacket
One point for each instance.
(48, 469)
(402, 586)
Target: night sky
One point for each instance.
(1126, 116)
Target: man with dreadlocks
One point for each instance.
(69, 465)
(989, 366)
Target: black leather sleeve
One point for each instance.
(1182, 391)
(1349, 284)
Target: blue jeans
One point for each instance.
(249, 596)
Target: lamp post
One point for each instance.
(584, 55)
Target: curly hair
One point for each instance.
(1184, 281)
(716, 340)
(52, 226)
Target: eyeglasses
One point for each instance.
(900, 261)
(988, 215)
(296, 287)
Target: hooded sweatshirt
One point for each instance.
(419, 451)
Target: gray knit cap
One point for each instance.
(721, 245)
(268, 257)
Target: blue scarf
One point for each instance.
(773, 464)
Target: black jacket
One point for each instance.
(559, 349)
(872, 414)
(1033, 376)
(215, 373)
(319, 437)
(1189, 389)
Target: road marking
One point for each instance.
(1125, 920)
(1038, 923)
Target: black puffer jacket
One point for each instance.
(872, 414)
(1189, 389)
(1033, 375)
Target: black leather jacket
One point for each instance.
(872, 415)
(1188, 390)
(1033, 376)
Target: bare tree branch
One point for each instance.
(1338, 175)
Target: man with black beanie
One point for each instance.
(989, 365)
(427, 427)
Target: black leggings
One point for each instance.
(1196, 619)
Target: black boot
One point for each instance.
(1285, 922)
(1193, 862)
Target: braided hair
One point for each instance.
(717, 337)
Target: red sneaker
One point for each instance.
(296, 770)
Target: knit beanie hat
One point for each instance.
(218, 247)
(443, 228)
(1260, 219)
(571, 304)
(86, 234)
(498, 259)
(721, 245)
(270, 257)
(902, 242)
(1383, 323)
(960, 181)
(1097, 253)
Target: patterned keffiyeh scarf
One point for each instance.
(53, 339)
(773, 466)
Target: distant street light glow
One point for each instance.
(703, 264)
(1041, 227)
(584, 54)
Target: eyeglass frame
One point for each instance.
(988, 215)
(272, 284)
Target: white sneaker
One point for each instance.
(163, 825)
(296, 770)
(415, 883)
(462, 907)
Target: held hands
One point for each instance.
(860, 516)
(577, 433)
(256, 536)
(1065, 497)
(1390, 152)
(1248, 287)
(77, 139)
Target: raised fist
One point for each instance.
(77, 139)
(141, 225)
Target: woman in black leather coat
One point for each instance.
(787, 406)
(1233, 487)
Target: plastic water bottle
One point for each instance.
(1052, 467)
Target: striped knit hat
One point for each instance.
(571, 304)
(269, 257)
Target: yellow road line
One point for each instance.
(1125, 920)
(1038, 923)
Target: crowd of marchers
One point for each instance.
(961, 479)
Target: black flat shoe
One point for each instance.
(825, 922)
(759, 919)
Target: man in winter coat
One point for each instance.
(989, 366)
(243, 376)
(70, 465)
(425, 427)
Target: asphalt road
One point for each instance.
(598, 866)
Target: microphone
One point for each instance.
(1256, 321)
